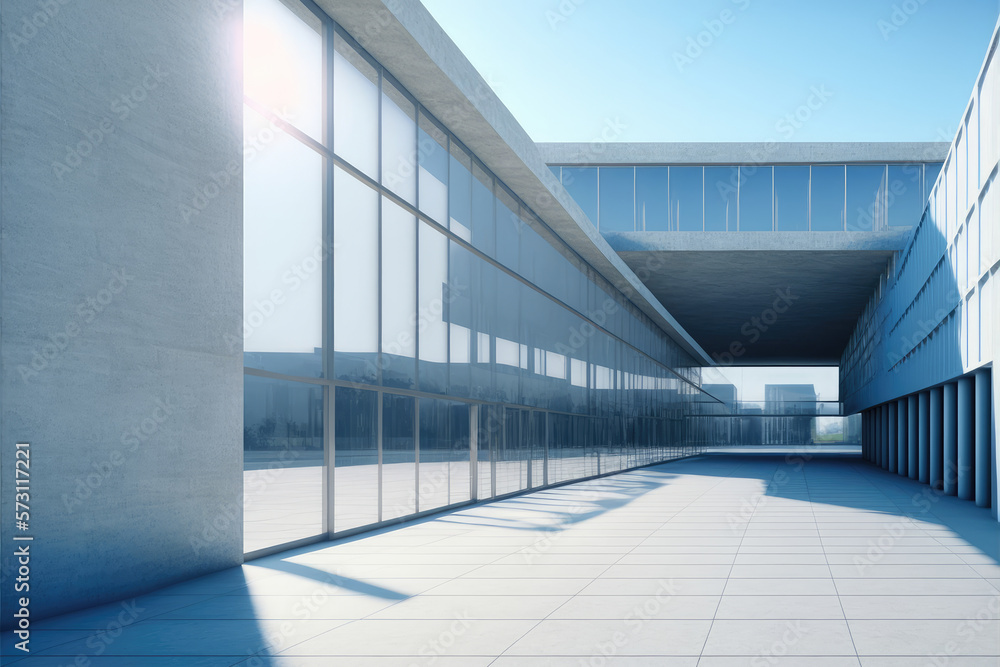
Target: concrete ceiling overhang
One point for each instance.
(763, 298)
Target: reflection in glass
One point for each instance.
(355, 108)
(931, 171)
(355, 279)
(283, 62)
(356, 495)
(616, 199)
(460, 193)
(866, 197)
(433, 298)
(444, 453)
(581, 183)
(721, 189)
(826, 198)
(399, 143)
(283, 254)
(652, 204)
(399, 468)
(791, 198)
(399, 275)
(686, 192)
(432, 152)
(283, 467)
(904, 195)
(508, 229)
(482, 210)
(755, 199)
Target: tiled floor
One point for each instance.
(715, 561)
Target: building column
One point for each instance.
(885, 437)
(949, 415)
(923, 422)
(912, 466)
(893, 437)
(902, 441)
(937, 448)
(877, 435)
(983, 437)
(966, 452)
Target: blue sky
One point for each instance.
(727, 70)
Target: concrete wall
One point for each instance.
(114, 297)
(936, 315)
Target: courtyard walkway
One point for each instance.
(713, 561)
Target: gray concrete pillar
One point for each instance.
(983, 430)
(886, 428)
(923, 422)
(893, 438)
(937, 451)
(949, 415)
(866, 436)
(884, 449)
(965, 421)
(912, 466)
(901, 453)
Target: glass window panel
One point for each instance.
(283, 254)
(432, 151)
(510, 456)
(355, 279)
(686, 199)
(356, 493)
(581, 183)
(866, 197)
(791, 198)
(282, 459)
(931, 171)
(399, 143)
(826, 198)
(459, 319)
(755, 199)
(355, 108)
(508, 229)
(399, 293)
(444, 454)
(432, 325)
(721, 188)
(652, 204)
(399, 462)
(556, 171)
(508, 352)
(283, 62)
(482, 210)
(617, 195)
(904, 198)
(460, 193)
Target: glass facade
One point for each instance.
(650, 198)
(415, 336)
